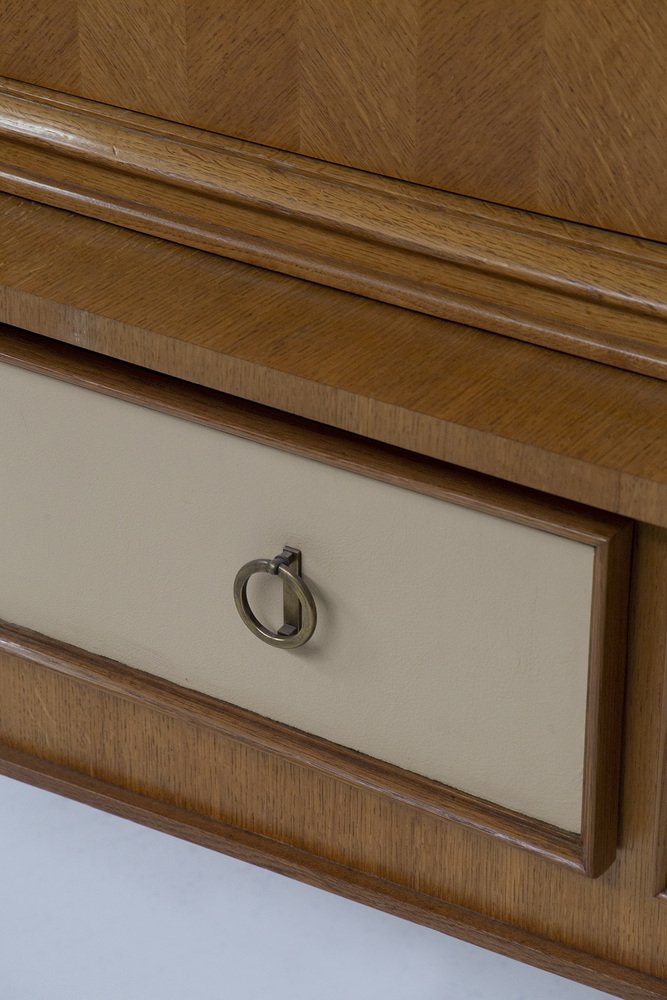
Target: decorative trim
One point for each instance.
(661, 810)
(298, 747)
(587, 292)
(604, 709)
(595, 849)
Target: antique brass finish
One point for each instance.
(300, 613)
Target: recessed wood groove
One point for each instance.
(586, 292)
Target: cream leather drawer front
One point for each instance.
(450, 642)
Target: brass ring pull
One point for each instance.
(299, 608)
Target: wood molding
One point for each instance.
(587, 292)
(661, 818)
(604, 709)
(300, 748)
(594, 850)
(456, 921)
(59, 700)
(661, 810)
(547, 420)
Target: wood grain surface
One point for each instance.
(456, 921)
(591, 852)
(661, 812)
(556, 106)
(149, 750)
(594, 294)
(546, 420)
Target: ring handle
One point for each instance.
(299, 608)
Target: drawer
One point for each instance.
(469, 636)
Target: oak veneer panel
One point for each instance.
(253, 45)
(358, 82)
(134, 51)
(39, 39)
(140, 735)
(546, 420)
(479, 97)
(602, 154)
(557, 106)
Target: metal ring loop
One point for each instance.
(299, 607)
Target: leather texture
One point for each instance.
(449, 642)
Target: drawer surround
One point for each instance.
(594, 849)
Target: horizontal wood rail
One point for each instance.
(456, 921)
(550, 421)
(147, 750)
(583, 291)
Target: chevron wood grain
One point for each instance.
(555, 106)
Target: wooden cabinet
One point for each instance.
(555, 106)
(455, 408)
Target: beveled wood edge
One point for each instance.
(587, 292)
(309, 438)
(605, 700)
(456, 921)
(661, 810)
(336, 761)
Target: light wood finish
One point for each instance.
(41, 38)
(456, 921)
(133, 51)
(145, 748)
(509, 409)
(596, 295)
(555, 106)
(603, 543)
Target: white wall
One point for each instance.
(98, 908)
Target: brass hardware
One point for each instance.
(300, 613)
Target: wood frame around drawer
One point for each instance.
(590, 852)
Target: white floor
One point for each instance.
(97, 908)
